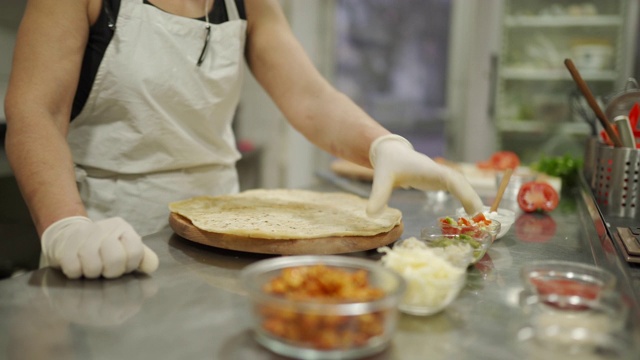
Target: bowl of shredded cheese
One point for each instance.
(323, 306)
(434, 276)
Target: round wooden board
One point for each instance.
(315, 246)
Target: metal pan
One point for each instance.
(621, 103)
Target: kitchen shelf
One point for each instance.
(520, 73)
(562, 21)
(541, 127)
(534, 92)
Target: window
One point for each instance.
(391, 59)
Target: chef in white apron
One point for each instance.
(161, 132)
(156, 127)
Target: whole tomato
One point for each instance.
(535, 227)
(500, 160)
(537, 196)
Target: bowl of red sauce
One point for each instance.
(567, 285)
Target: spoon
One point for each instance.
(501, 189)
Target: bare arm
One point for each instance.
(322, 114)
(45, 72)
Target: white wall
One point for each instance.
(474, 41)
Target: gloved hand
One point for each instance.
(397, 164)
(82, 247)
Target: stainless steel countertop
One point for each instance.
(194, 308)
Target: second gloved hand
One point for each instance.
(397, 164)
(109, 248)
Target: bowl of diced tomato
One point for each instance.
(504, 217)
(464, 224)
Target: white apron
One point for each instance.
(156, 127)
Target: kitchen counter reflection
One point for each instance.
(193, 307)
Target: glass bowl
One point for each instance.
(505, 217)
(433, 282)
(438, 237)
(598, 331)
(517, 179)
(456, 225)
(567, 285)
(323, 306)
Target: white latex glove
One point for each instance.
(397, 164)
(82, 247)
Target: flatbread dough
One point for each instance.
(285, 214)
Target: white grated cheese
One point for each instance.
(432, 280)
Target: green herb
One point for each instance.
(566, 167)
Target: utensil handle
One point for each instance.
(591, 100)
(501, 189)
(624, 129)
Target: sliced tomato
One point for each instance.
(463, 225)
(500, 160)
(537, 196)
(479, 217)
(449, 226)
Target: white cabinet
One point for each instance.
(531, 101)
